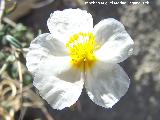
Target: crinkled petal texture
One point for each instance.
(64, 24)
(41, 48)
(116, 43)
(106, 84)
(58, 82)
(55, 78)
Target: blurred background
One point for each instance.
(22, 20)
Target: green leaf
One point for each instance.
(13, 41)
(11, 58)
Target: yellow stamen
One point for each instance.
(81, 47)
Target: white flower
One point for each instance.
(76, 54)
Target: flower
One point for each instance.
(76, 54)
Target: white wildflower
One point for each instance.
(76, 54)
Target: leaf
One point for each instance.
(13, 41)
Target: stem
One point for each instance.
(23, 111)
(2, 7)
(42, 4)
(21, 84)
(48, 116)
(10, 22)
(3, 68)
(19, 72)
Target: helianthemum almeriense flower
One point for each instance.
(76, 54)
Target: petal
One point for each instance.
(58, 82)
(42, 47)
(106, 84)
(116, 43)
(64, 23)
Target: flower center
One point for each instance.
(81, 48)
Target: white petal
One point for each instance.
(116, 43)
(41, 48)
(64, 23)
(58, 83)
(106, 84)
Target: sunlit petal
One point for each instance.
(116, 43)
(106, 84)
(42, 47)
(58, 82)
(70, 21)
